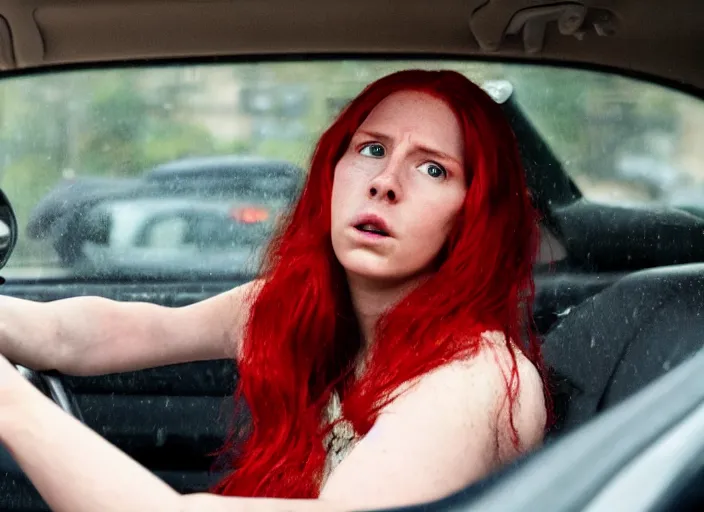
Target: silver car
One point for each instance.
(162, 237)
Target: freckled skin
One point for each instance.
(422, 206)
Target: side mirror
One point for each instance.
(8, 229)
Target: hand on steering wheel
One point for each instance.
(48, 382)
(52, 385)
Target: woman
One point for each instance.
(386, 355)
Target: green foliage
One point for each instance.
(292, 151)
(110, 140)
(590, 119)
(169, 141)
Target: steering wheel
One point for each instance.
(52, 385)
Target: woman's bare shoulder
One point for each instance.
(447, 429)
(476, 389)
(529, 411)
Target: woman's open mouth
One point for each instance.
(371, 226)
(371, 229)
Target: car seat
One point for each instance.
(623, 338)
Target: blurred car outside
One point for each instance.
(201, 216)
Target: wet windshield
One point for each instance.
(185, 171)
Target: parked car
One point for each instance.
(225, 207)
(158, 238)
(260, 178)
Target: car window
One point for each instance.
(165, 233)
(102, 165)
(621, 140)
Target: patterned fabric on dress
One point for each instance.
(341, 439)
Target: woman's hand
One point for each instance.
(74, 469)
(6, 369)
(10, 381)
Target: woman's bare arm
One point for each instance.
(94, 335)
(76, 470)
(440, 436)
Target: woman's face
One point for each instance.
(398, 188)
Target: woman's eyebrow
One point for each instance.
(374, 135)
(438, 154)
(424, 149)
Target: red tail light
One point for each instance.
(249, 214)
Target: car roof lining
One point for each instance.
(646, 38)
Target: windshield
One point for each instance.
(186, 170)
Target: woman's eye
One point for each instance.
(373, 150)
(433, 170)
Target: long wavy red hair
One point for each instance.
(302, 337)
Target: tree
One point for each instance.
(110, 139)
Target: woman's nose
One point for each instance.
(386, 185)
(386, 192)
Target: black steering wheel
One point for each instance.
(52, 385)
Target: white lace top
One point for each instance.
(341, 439)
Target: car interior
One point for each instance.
(618, 286)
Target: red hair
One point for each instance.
(302, 337)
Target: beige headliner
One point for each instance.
(663, 38)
